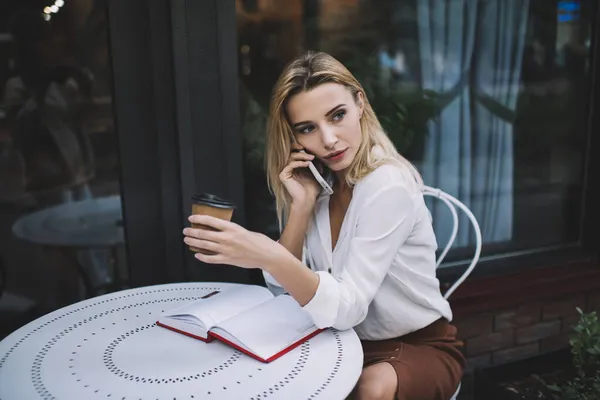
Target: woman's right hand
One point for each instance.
(297, 179)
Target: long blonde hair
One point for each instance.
(303, 74)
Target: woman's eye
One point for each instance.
(306, 129)
(339, 115)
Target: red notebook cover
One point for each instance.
(209, 339)
(212, 336)
(273, 357)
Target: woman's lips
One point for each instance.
(337, 156)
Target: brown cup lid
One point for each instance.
(211, 200)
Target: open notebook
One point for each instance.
(248, 318)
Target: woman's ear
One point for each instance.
(360, 102)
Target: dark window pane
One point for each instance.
(487, 98)
(60, 232)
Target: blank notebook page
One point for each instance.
(223, 305)
(271, 327)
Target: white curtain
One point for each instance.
(496, 72)
(470, 53)
(446, 42)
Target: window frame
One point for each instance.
(584, 251)
(183, 119)
(174, 72)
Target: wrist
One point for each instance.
(280, 256)
(303, 208)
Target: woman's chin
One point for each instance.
(339, 167)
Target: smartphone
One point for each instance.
(319, 178)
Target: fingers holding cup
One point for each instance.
(211, 205)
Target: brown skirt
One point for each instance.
(429, 363)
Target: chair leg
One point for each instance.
(455, 395)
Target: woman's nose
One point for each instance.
(329, 138)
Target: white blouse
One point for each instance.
(381, 277)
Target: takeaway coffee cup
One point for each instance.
(209, 204)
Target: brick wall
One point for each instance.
(498, 336)
(494, 337)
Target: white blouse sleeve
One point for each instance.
(386, 220)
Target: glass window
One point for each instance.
(487, 98)
(61, 236)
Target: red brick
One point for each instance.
(522, 316)
(475, 325)
(482, 360)
(515, 353)
(555, 342)
(490, 342)
(563, 307)
(538, 331)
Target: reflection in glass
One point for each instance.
(487, 98)
(60, 209)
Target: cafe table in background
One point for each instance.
(90, 233)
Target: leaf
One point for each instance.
(554, 388)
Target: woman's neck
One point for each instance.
(340, 184)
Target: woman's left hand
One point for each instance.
(233, 244)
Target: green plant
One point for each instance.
(403, 111)
(254, 127)
(585, 349)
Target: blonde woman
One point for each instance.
(370, 246)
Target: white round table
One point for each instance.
(88, 223)
(109, 347)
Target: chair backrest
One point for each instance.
(452, 203)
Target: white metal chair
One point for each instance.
(452, 203)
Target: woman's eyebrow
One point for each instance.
(327, 114)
